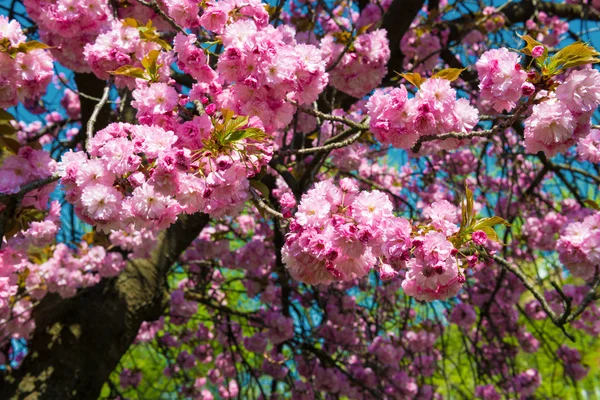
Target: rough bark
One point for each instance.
(396, 22)
(78, 342)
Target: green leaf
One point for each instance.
(467, 222)
(5, 45)
(10, 144)
(132, 22)
(12, 228)
(364, 28)
(5, 116)
(165, 45)
(23, 47)
(261, 187)
(573, 55)
(449, 74)
(34, 45)
(7, 129)
(489, 222)
(313, 135)
(235, 123)
(149, 62)
(491, 233)
(531, 43)
(591, 204)
(250, 133)
(130, 70)
(414, 77)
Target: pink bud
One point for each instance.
(537, 51)
(210, 109)
(479, 237)
(527, 89)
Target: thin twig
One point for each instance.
(258, 201)
(567, 316)
(486, 133)
(577, 170)
(329, 117)
(589, 297)
(328, 147)
(154, 6)
(97, 108)
(538, 296)
(28, 188)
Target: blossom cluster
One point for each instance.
(589, 322)
(435, 109)
(118, 46)
(56, 269)
(579, 246)
(558, 121)
(588, 147)
(361, 69)
(269, 68)
(27, 166)
(192, 59)
(217, 14)
(339, 234)
(547, 29)
(68, 26)
(24, 72)
(336, 233)
(502, 80)
(139, 175)
(421, 50)
(572, 361)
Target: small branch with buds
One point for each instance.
(156, 8)
(259, 202)
(486, 133)
(567, 316)
(329, 117)
(12, 201)
(327, 147)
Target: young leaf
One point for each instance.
(531, 43)
(414, 78)
(235, 123)
(35, 45)
(591, 204)
(313, 135)
(131, 22)
(490, 232)
(12, 228)
(130, 70)
(10, 144)
(261, 187)
(4, 45)
(7, 129)
(364, 28)
(250, 133)
(227, 115)
(468, 208)
(489, 222)
(573, 55)
(5, 117)
(449, 74)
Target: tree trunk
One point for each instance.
(78, 341)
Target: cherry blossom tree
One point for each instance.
(391, 199)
